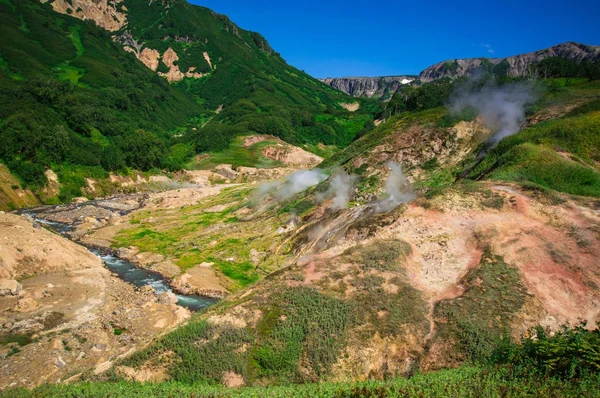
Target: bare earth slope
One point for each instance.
(62, 318)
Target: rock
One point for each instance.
(233, 380)
(56, 344)
(167, 298)
(99, 347)
(73, 378)
(26, 304)
(226, 171)
(256, 257)
(60, 363)
(103, 367)
(10, 287)
(518, 65)
(146, 289)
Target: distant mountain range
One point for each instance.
(517, 65)
(378, 87)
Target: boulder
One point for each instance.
(167, 298)
(10, 287)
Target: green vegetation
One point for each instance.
(480, 317)
(203, 352)
(467, 382)
(533, 155)
(209, 232)
(573, 352)
(385, 255)
(237, 154)
(65, 83)
(301, 323)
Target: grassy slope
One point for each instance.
(559, 154)
(68, 79)
(462, 382)
(259, 91)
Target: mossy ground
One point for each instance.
(238, 155)
(212, 231)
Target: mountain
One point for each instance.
(130, 85)
(517, 65)
(371, 87)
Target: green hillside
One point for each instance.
(72, 99)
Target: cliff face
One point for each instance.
(517, 65)
(376, 87)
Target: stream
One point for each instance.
(130, 273)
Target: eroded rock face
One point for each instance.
(371, 87)
(150, 58)
(110, 15)
(169, 58)
(518, 65)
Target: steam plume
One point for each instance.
(502, 108)
(397, 188)
(293, 184)
(340, 188)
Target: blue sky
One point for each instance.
(385, 37)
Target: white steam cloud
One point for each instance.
(293, 184)
(398, 190)
(340, 189)
(501, 107)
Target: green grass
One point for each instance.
(192, 236)
(20, 339)
(4, 67)
(531, 155)
(238, 155)
(243, 273)
(543, 166)
(465, 382)
(69, 73)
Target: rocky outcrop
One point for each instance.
(518, 65)
(371, 87)
(110, 15)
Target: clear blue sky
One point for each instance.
(386, 37)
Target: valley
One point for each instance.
(183, 213)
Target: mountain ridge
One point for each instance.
(514, 66)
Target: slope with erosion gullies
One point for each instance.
(103, 110)
(389, 285)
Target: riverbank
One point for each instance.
(68, 314)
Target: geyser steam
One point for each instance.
(501, 107)
(293, 184)
(340, 189)
(397, 189)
